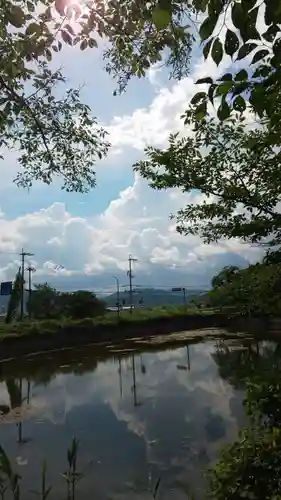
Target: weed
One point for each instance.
(71, 476)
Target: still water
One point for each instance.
(161, 411)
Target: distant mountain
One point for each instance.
(152, 297)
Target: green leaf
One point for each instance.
(200, 5)
(239, 104)
(161, 18)
(223, 88)
(223, 110)
(245, 50)
(270, 34)
(66, 37)
(16, 16)
(92, 43)
(33, 28)
(249, 31)
(207, 27)
(231, 44)
(257, 99)
(217, 51)
(207, 47)
(260, 54)
(211, 92)
(226, 78)
(198, 97)
(30, 6)
(275, 62)
(208, 79)
(201, 111)
(241, 75)
(69, 29)
(272, 12)
(262, 71)
(248, 4)
(276, 48)
(240, 88)
(48, 54)
(238, 15)
(83, 45)
(215, 7)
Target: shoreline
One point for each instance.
(70, 336)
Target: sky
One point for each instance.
(90, 236)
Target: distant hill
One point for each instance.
(152, 297)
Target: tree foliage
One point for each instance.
(235, 28)
(255, 290)
(224, 277)
(236, 171)
(139, 34)
(15, 298)
(52, 131)
(46, 302)
(55, 134)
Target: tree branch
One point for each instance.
(20, 99)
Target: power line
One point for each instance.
(9, 253)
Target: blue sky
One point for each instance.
(91, 235)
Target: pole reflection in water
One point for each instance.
(134, 386)
(188, 366)
(28, 392)
(134, 381)
(19, 424)
(120, 378)
(143, 368)
(188, 358)
(15, 390)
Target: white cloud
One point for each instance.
(153, 125)
(136, 222)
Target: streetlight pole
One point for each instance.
(118, 295)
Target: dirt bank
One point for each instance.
(71, 336)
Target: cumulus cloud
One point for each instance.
(136, 222)
(154, 124)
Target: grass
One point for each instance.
(49, 326)
(11, 482)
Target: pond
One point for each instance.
(158, 414)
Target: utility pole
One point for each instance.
(118, 295)
(184, 298)
(129, 273)
(30, 270)
(23, 255)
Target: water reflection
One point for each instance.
(156, 411)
